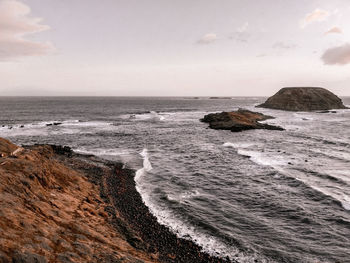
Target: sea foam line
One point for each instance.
(165, 217)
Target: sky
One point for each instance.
(172, 47)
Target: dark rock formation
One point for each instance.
(303, 99)
(54, 124)
(238, 121)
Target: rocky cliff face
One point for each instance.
(60, 206)
(303, 99)
(237, 121)
(54, 212)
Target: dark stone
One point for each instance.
(237, 121)
(27, 257)
(303, 99)
(63, 150)
(54, 124)
(327, 111)
(4, 258)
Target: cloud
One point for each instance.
(337, 56)
(16, 23)
(334, 30)
(243, 28)
(282, 45)
(317, 15)
(207, 38)
(241, 34)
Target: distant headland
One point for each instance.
(303, 99)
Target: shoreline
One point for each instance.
(121, 188)
(129, 216)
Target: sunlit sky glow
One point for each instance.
(173, 48)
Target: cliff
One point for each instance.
(60, 206)
(50, 212)
(303, 99)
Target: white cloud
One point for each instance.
(241, 34)
(317, 15)
(243, 28)
(282, 45)
(15, 24)
(207, 38)
(337, 56)
(334, 30)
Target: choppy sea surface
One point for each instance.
(254, 196)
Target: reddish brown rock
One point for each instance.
(6, 147)
(60, 206)
(50, 212)
(237, 121)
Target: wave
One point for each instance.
(102, 152)
(183, 196)
(333, 154)
(147, 116)
(281, 165)
(263, 159)
(46, 128)
(165, 217)
(238, 145)
(258, 157)
(37, 124)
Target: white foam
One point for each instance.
(184, 196)
(166, 217)
(146, 163)
(346, 202)
(229, 144)
(102, 152)
(152, 116)
(322, 187)
(342, 198)
(46, 128)
(238, 145)
(263, 158)
(86, 123)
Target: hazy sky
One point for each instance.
(173, 47)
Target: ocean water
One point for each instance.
(254, 196)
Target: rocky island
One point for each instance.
(60, 206)
(303, 99)
(239, 120)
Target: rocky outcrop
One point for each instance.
(237, 121)
(51, 212)
(303, 99)
(7, 148)
(60, 206)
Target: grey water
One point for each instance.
(254, 196)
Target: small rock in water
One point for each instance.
(237, 121)
(54, 124)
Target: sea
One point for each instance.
(252, 196)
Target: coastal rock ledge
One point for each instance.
(60, 206)
(303, 99)
(237, 121)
